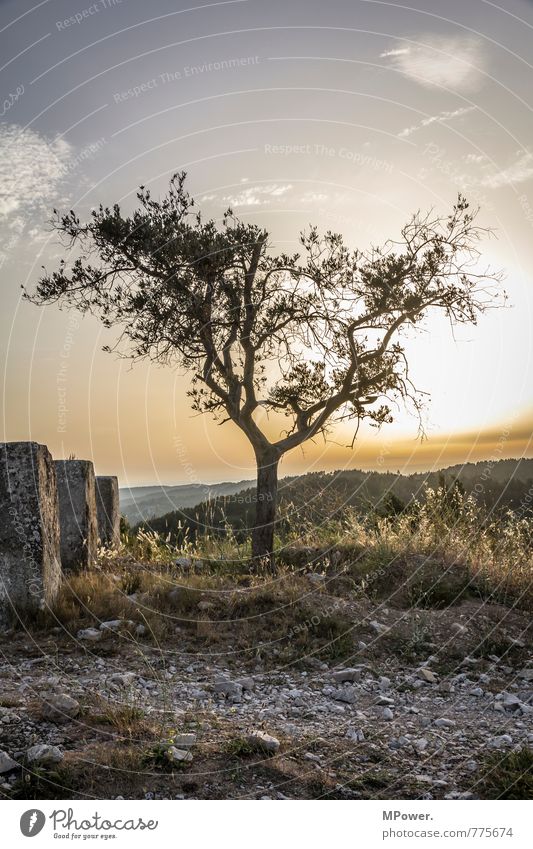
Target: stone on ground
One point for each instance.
(262, 741)
(44, 755)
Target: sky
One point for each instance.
(350, 115)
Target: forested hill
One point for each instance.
(500, 485)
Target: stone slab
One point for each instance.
(77, 514)
(108, 510)
(30, 565)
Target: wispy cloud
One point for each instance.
(441, 118)
(455, 63)
(31, 170)
(399, 51)
(257, 195)
(517, 172)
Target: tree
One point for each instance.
(315, 336)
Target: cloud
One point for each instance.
(257, 195)
(518, 172)
(31, 170)
(400, 51)
(455, 63)
(441, 118)
(476, 158)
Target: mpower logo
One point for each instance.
(32, 822)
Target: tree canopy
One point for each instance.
(316, 335)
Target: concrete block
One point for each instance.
(30, 565)
(77, 513)
(108, 510)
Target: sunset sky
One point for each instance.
(350, 114)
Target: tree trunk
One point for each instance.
(265, 508)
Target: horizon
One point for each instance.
(398, 472)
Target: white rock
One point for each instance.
(60, 707)
(443, 722)
(511, 702)
(44, 755)
(262, 740)
(356, 735)
(427, 675)
(179, 755)
(500, 742)
(526, 674)
(111, 625)
(184, 741)
(89, 635)
(387, 714)
(347, 695)
(230, 689)
(6, 763)
(421, 744)
(349, 674)
(477, 691)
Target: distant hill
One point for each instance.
(140, 503)
(498, 485)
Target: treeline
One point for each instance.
(312, 498)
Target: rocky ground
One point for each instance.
(430, 704)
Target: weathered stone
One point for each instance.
(77, 513)
(179, 755)
(6, 763)
(108, 510)
(60, 707)
(349, 674)
(89, 635)
(443, 722)
(44, 755)
(347, 695)
(263, 742)
(427, 675)
(500, 742)
(185, 740)
(232, 690)
(30, 566)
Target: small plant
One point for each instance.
(240, 747)
(508, 776)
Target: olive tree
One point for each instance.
(315, 336)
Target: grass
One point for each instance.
(432, 557)
(508, 776)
